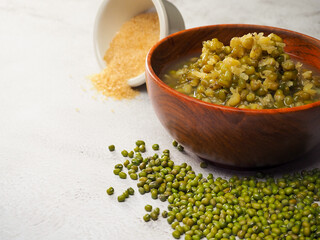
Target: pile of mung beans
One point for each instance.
(253, 72)
(255, 207)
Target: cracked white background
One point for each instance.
(54, 130)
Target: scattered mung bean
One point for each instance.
(110, 191)
(252, 207)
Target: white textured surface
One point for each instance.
(54, 162)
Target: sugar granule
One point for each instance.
(126, 55)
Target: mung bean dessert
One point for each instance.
(253, 72)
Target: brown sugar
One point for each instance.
(126, 55)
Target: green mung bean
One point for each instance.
(122, 175)
(130, 191)
(175, 143)
(124, 153)
(116, 171)
(180, 148)
(110, 191)
(155, 147)
(148, 208)
(146, 217)
(121, 198)
(203, 165)
(140, 142)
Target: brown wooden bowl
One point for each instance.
(226, 135)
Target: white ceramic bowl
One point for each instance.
(113, 13)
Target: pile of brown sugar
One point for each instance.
(126, 55)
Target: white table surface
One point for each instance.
(54, 129)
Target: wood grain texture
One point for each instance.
(226, 135)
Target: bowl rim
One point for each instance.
(177, 94)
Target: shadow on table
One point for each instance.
(308, 161)
(142, 88)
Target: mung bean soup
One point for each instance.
(253, 72)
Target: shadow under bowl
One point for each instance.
(229, 136)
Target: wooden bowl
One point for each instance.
(226, 135)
